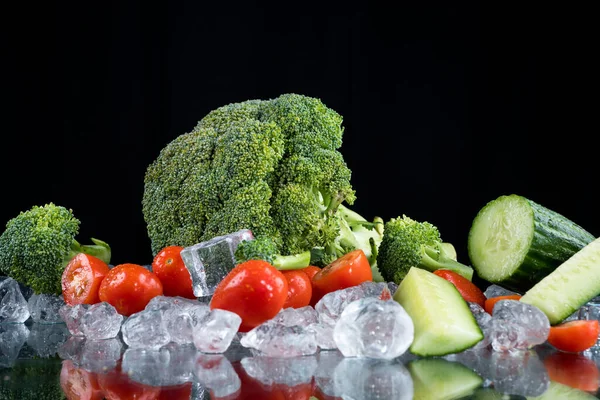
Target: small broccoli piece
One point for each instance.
(265, 248)
(407, 243)
(38, 243)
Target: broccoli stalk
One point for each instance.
(99, 249)
(407, 243)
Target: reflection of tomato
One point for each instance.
(574, 370)
(172, 272)
(179, 392)
(79, 384)
(129, 288)
(116, 385)
(322, 396)
(254, 389)
(81, 279)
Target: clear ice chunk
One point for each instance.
(215, 331)
(517, 326)
(210, 261)
(215, 372)
(483, 320)
(363, 378)
(72, 315)
(13, 306)
(47, 339)
(374, 328)
(45, 308)
(323, 335)
(494, 290)
(145, 330)
(170, 365)
(278, 340)
(101, 321)
(100, 355)
(179, 315)
(12, 339)
(302, 316)
(289, 371)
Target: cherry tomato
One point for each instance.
(81, 279)
(491, 302)
(311, 271)
(170, 269)
(574, 370)
(349, 270)
(255, 290)
(117, 385)
(574, 336)
(79, 384)
(299, 289)
(468, 290)
(129, 288)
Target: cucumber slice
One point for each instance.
(440, 379)
(515, 242)
(571, 285)
(560, 391)
(444, 323)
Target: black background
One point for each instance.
(445, 107)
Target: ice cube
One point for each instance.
(215, 372)
(145, 330)
(12, 339)
(363, 378)
(330, 306)
(210, 261)
(374, 328)
(100, 355)
(13, 306)
(518, 373)
(289, 371)
(101, 321)
(72, 315)
(44, 308)
(590, 311)
(517, 326)
(483, 320)
(302, 316)
(278, 340)
(323, 335)
(72, 349)
(214, 332)
(494, 290)
(178, 315)
(46, 339)
(169, 365)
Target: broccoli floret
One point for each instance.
(271, 166)
(38, 243)
(407, 243)
(264, 248)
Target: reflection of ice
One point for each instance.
(101, 355)
(71, 349)
(363, 378)
(12, 339)
(46, 339)
(323, 375)
(168, 366)
(215, 372)
(290, 371)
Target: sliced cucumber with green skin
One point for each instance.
(444, 323)
(568, 287)
(439, 379)
(515, 242)
(560, 391)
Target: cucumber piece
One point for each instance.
(440, 379)
(444, 323)
(560, 391)
(515, 242)
(568, 287)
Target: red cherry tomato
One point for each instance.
(79, 384)
(468, 290)
(491, 302)
(299, 289)
(311, 271)
(170, 269)
(81, 279)
(117, 385)
(349, 270)
(574, 370)
(574, 336)
(129, 288)
(255, 290)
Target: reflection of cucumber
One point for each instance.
(563, 392)
(439, 379)
(492, 394)
(444, 323)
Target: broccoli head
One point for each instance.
(38, 243)
(271, 166)
(264, 248)
(408, 243)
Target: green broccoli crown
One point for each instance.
(271, 166)
(37, 244)
(262, 248)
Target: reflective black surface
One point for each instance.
(45, 362)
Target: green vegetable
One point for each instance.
(407, 243)
(38, 243)
(271, 166)
(559, 391)
(440, 379)
(444, 323)
(264, 248)
(515, 242)
(568, 287)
